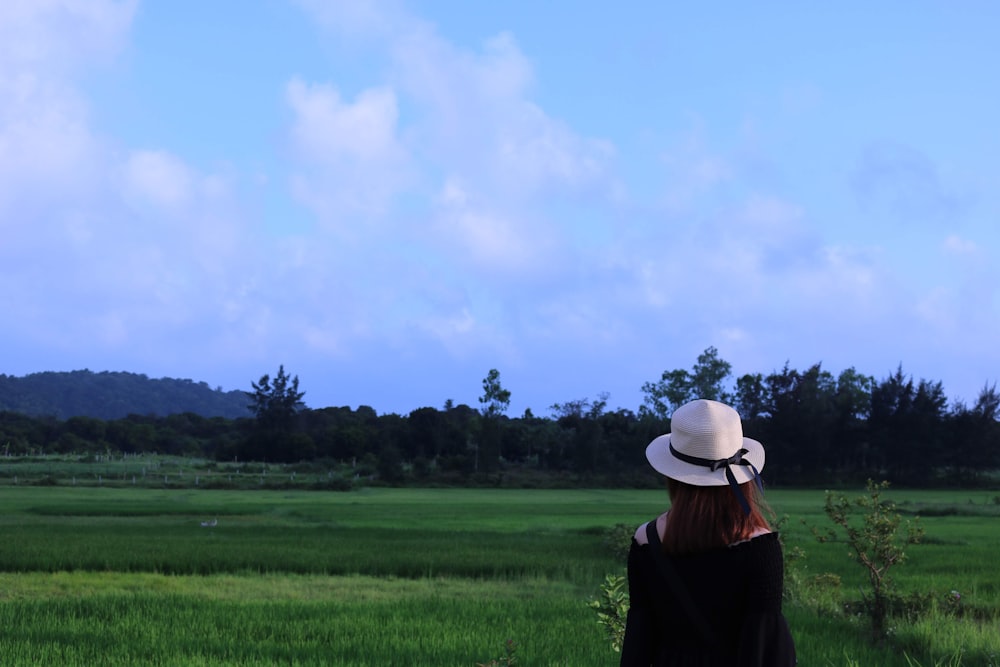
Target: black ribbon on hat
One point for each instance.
(714, 464)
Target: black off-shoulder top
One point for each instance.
(737, 590)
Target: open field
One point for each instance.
(129, 576)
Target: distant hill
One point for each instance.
(112, 395)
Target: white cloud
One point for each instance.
(356, 18)
(327, 129)
(111, 328)
(733, 335)
(47, 150)
(327, 340)
(49, 155)
(693, 170)
(62, 34)
(751, 275)
(959, 247)
(159, 177)
(937, 310)
(488, 239)
(534, 151)
(112, 245)
(453, 194)
(476, 117)
(350, 159)
(771, 216)
(466, 114)
(450, 327)
(44, 145)
(472, 113)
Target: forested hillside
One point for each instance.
(112, 395)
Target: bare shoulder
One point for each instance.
(661, 524)
(760, 532)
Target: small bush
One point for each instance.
(618, 541)
(872, 526)
(612, 608)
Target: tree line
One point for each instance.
(818, 428)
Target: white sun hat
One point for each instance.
(706, 447)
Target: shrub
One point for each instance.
(877, 545)
(618, 541)
(612, 608)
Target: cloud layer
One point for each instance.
(427, 209)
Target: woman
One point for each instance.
(705, 578)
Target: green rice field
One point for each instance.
(376, 576)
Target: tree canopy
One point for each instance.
(274, 403)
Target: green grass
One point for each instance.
(353, 621)
(116, 576)
(958, 553)
(234, 546)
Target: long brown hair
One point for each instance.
(709, 517)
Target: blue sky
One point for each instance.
(392, 198)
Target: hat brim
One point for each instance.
(659, 456)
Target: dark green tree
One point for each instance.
(672, 390)
(426, 435)
(494, 401)
(853, 404)
(460, 446)
(274, 404)
(908, 426)
(974, 442)
(750, 400)
(581, 420)
(708, 375)
(798, 430)
(814, 420)
(677, 387)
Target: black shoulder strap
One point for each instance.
(677, 586)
